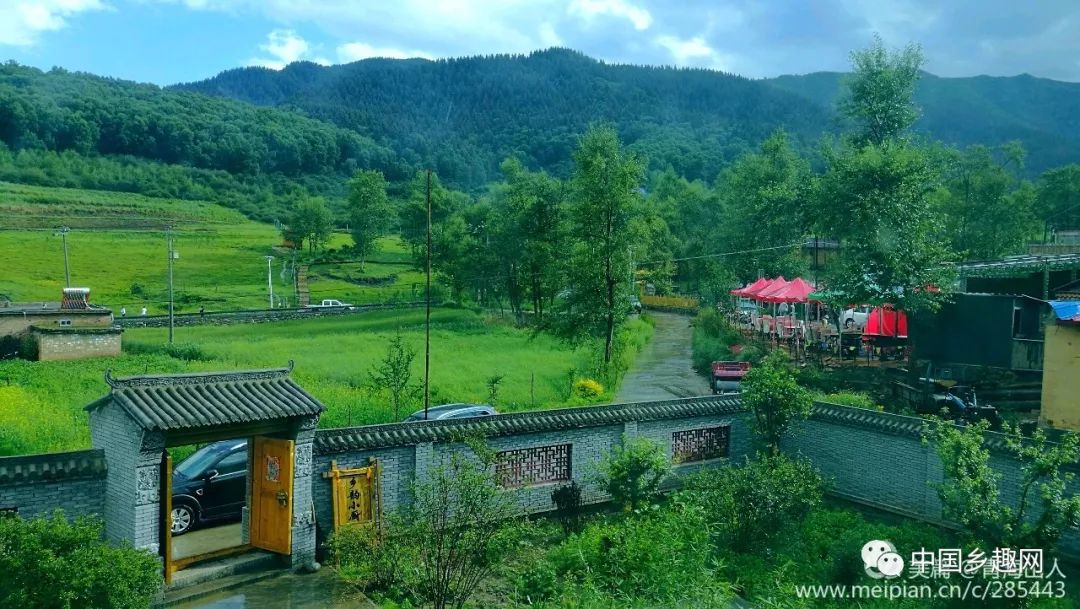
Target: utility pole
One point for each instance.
(67, 270)
(270, 279)
(427, 313)
(172, 254)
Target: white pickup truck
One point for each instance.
(330, 303)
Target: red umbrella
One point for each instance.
(796, 290)
(774, 286)
(757, 285)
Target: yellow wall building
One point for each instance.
(1061, 369)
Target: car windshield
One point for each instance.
(199, 461)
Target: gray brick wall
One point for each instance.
(41, 497)
(401, 465)
(115, 433)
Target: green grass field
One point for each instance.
(41, 402)
(117, 248)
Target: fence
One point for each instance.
(671, 303)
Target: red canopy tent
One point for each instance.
(796, 290)
(773, 286)
(886, 321)
(757, 285)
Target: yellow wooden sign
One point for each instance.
(355, 493)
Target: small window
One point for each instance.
(529, 466)
(233, 463)
(65, 322)
(700, 444)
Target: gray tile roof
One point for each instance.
(179, 401)
(330, 441)
(52, 466)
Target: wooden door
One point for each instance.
(272, 495)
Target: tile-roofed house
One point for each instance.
(182, 401)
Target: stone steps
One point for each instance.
(215, 576)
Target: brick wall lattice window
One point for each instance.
(700, 444)
(529, 466)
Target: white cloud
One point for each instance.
(693, 52)
(24, 20)
(283, 48)
(355, 51)
(640, 17)
(549, 37)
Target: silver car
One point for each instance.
(444, 412)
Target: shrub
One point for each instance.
(854, 399)
(656, 556)
(367, 562)
(749, 505)
(634, 471)
(50, 562)
(588, 389)
(567, 500)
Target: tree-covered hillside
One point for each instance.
(1042, 114)
(464, 116)
(64, 111)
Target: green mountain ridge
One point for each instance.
(463, 116)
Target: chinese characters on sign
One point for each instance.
(355, 494)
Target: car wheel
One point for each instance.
(183, 519)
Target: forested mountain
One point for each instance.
(1043, 114)
(463, 116)
(64, 111)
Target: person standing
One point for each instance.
(123, 311)
(143, 312)
(202, 312)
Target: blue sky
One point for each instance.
(170, 41)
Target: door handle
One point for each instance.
(282, 498)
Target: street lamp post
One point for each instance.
(270, 279)
(67, 271)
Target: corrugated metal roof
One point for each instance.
(1066, 310)
(1021, 264)
(53, 466)
(180, 401)
(332, 441)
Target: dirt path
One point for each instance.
(663, 370)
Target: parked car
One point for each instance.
(747, 309)
(453, 411)
(727, 376)
(330, 303)
(854, 319)
(209, 485)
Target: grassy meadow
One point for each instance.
(117, 248)
(41, 402)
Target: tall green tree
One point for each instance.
(1059, 198)
(527, 234)
(605, 187)
(370, 212)
(990, 211)
(764, 199)
(880, 92)
(875, 195)
(311, 221)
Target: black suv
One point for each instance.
(209, 485)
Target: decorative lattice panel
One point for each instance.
(700, 444)
(528, 466)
